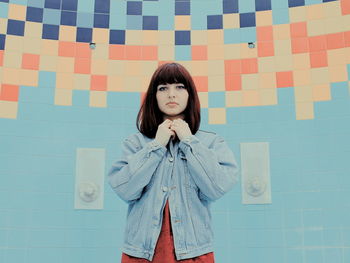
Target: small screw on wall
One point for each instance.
(92, 45)
(251, 44)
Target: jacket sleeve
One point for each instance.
(213, 169)
(133, 171)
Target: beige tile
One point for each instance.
(266, 64)
(301, 77)
(232, 51)
(321, 92)
(231, 21)
(282, 47)
(199, 37)
(338, 73)
(48, 63)
(98, 99)
(199, 68)
(333, 25)
(314, 12)
(167, 38)
(12, 59)
(148, 68)
(332, 9)
(215, 52)
(250, 81)
(115, 83)
(215, 36)
(17, 12)
(150, 37)
(68, 33)
(251, 98)
(203, 98)
(14, 43)
(3, 25)
(267, 80)
(8, 109)
(234, 99)
(216, 67)
(297, 14)
(99, 66)
(217, 115)
(303, 94)
(81, 82)
(116, 67)
(304, 110)
(133, 68)
(100, 35)
(63, 97)
(33, 30)
(247, 52)
(284, 63)
(64, 80)
(315, 27)
(319, 75)
(133, 37)
(32, 45)
(337, 57)
(65, 64)
(101, 51)
(132, 83)
(216, 83)
(301, 61)
(166, 53)
(281, 32)
(268, 96)
(49, 47)
(264, 18)
(11, 76)
(182, 22)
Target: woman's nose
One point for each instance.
(171, 93)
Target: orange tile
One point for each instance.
(199, 53)
(1, 58)
(82, 65)
(346, 40)
(317, 43)
(284, 79)
(300, 45)
(265, 49)
(30, 61)
(117, 52)
(298, 29)
(233, 82)
(9, 92)
(149, 53)
(318, 59)
(82, 50)
(233, 66)
(66, 49)
(249, 65)
(98, 82)
(345, 7)
(133, 52)
(264, 33)
(201, 83)
(336, 40)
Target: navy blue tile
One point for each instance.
(247, 19)
(34, 14)
(150, 22)
(53, 4)
(15, 27)
(261, 5)
(324, 1)
(230, 6)
(182, 8)
(214, 22)
(182, 37)
(293, 3)
(102, 6)
(84, 34)
(71, 5)
(117, 37)
(68, 18)
(134, 8)
(2, 41)
(5, 1)
(150, 0)
(50, 31)
(101, 20)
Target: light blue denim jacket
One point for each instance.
(190, 175)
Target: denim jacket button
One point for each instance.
(164, 188)
(171, 159)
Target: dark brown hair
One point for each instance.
(149, 116)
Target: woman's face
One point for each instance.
(172, 100)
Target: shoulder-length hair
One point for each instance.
(149, 116)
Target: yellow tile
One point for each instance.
(332, 9)
(301, 61)
(144, 84)
(132, 83)
(101, 51)
(81, 81)
(264, 18)
(304, 110)
(303, 94)
(12, 59)
(333, 25)
(321, 92)
(100, 35)
(150, 37)
(29, 77)
(68, 33)
(266, 64)
(314, 12)
(64, 80)
(217, 115)
(215, 52)
(319, 75)
(315, 27)
(250, 81)
(33, 30)
(216, 67)
(48, 63)
(267, 80)
(232, 51)
(203, 98)
(148, 67)
(3, 26)
(234, 98)
(346, 22)
(115, 83)
(187, 64)
(14, 43)
(65, 64)
(99, 66)
(284, 63)
(301, 77)
(11, 76)
(166, 52)
(182, 22)
(98, 99)
(338, 73)
(168, 37)
(63, 97)
(199, 37)
(133, 68)
(49, 47)
(297, 14)
(215, 36)
(17, 12)
(216, 83)
(247, 52)
(231, 21)
(133, 37)
(268, 96)
(32, 45)
(251, 98)
(8, 109)
(337, 57)
(199, 68)
(282, 47)
(116, 67)
(281, 32)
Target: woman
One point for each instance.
(169, 173)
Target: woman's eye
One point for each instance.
(180, 87)
(161, 88)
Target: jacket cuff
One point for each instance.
(154, 146)
(187, 142)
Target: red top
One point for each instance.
(165, 251)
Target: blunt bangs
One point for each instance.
(172, 73)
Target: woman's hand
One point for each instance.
(181, 129)
(164, 132)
